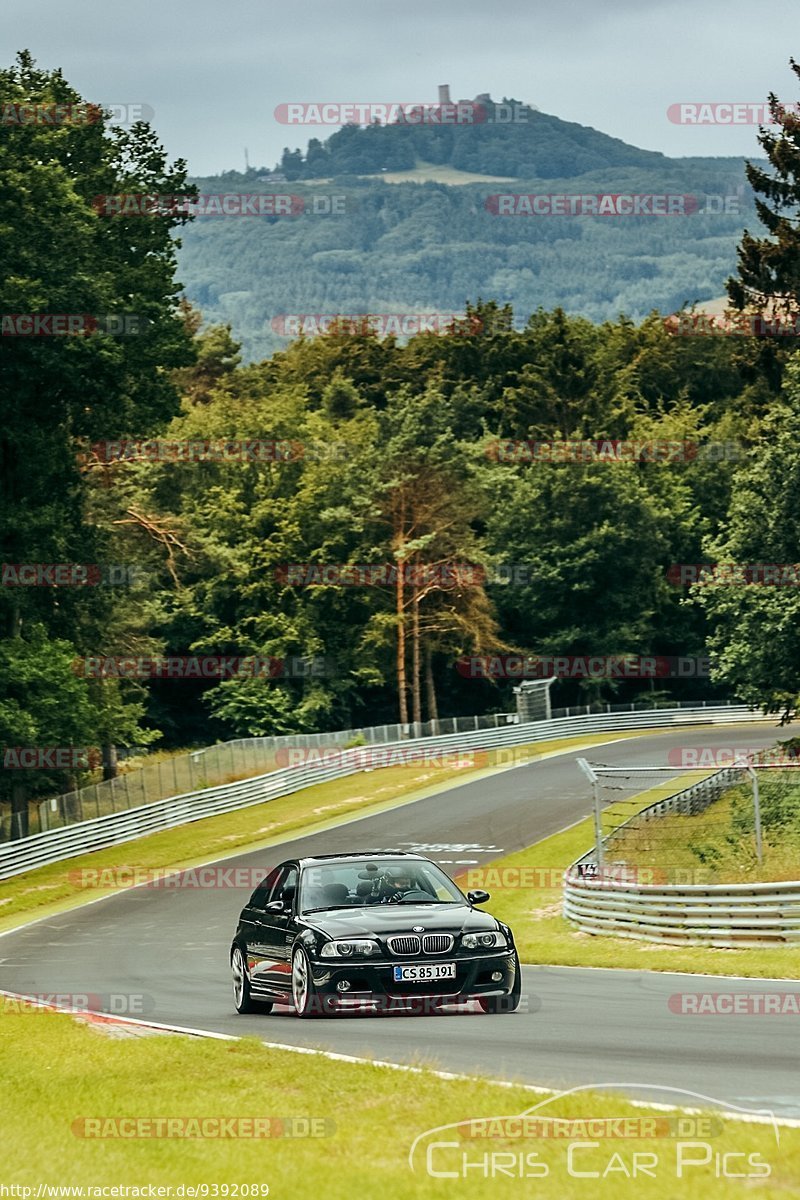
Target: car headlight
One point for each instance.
(350, 948)
(483, 941)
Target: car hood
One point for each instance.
(381, 920)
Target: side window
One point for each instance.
(286, 887)
(261, 894)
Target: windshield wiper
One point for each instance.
(380, 904)
(329, 908)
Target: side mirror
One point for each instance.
(275, 906)
(478, 897)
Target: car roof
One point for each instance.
(360, 856)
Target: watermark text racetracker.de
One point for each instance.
(730, 574)
(729, 112)
(203, 666)
(726, 756)
(732, 323)
(195, 1128)
(735, 1004)
(610, 204)
(611, 450)
(58, 115)
(224, 204)
(441, 575)
(370, 758)
(494, 879)
(51, 758)
(583, 666)
(72, 324)
(256, 450)
(53, 115)
(382, 324)
(116, 1004)
(44, 574)
(395, 112)
(208, 878)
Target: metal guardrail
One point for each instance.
(727, 916)
(211, 766)
(102, 832)
(242, 758)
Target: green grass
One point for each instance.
(531, 904)
(54, 888)
(719, 844)
(62, 1071)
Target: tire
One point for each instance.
(308, 1001)
(505, 1004)
(242, 996)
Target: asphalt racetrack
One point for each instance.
(575, 1026)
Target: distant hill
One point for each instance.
(429, 239)
(502, 138)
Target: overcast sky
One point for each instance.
(213, 71)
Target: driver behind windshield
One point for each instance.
(395, 883)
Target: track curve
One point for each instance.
(575, 1025)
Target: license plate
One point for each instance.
(422, 974)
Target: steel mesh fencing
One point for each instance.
(212, 766)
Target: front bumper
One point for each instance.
(374, 981)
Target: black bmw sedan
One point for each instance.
(379, 930)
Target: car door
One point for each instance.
(252, 928)
(275, 931)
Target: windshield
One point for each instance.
(377, 881)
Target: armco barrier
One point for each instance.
(114, 828)
(243, 758)
(210, 766)
(728, 915)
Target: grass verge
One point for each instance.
(718, 845)
(57, 887)
(65, 1072)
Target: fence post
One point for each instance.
(756, 812)
(598, 824)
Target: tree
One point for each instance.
(113, 276)
(61, 256)
(769, 267)
(596, 541)
(426, 499)
(754, 621)
(216, 356)
(44, 704)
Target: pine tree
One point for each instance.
(769, 267)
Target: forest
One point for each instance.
(349, 524)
